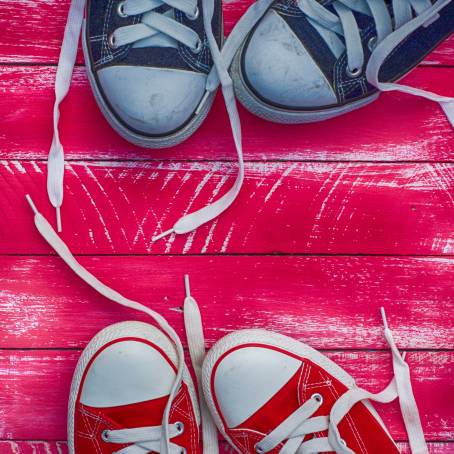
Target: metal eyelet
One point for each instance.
(318, 397)
(111, 41)
(372, 44)
(355, 72)
(343, 442)
(194, 15)
(105, 435)
(180, 427)
(198, 48)
(121, 9)
(258, 449)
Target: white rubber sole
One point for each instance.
(141, 140)
(257, 336)
(117, 331)
(278, 115)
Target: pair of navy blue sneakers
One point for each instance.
(155, 65)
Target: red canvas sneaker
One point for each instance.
(271, 394)
(120, 390)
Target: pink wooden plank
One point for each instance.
(329, 302)
(27, 36)
(283, 208)
(409, 129)
(40, 380)
(59, 447)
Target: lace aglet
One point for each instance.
(32, 205)
(383, 316)
(59, 229)
(162, 235)
(186, 285)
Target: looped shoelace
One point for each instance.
(193, 327)
(300, 424)
(143, 439)
(152, 23)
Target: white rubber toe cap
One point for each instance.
(249, 377)
(152, 101)
(279, 68)
(127, 369)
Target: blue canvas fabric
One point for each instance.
(348, 89)
(102, 20)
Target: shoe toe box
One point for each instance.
(246, 378)
(152, 101)
(279, 69)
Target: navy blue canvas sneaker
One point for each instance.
(154, 66)
(308, 60)
(148, 63)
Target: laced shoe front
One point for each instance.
(271, 394)
(148, 62)
(309, 60)
(120, 390)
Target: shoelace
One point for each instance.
(194, 332)
(154, 23)
(300, 424)
(344, 24)
(143, 439)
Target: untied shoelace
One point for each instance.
(193, 327)
(124, 36)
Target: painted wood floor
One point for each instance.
(334, 220)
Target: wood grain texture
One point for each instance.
(328, 302)
(26, 36)
(409, 129)
(34, 386)
(283, 208)
(59, 447)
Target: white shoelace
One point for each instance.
(343, 23)
(143, 439)
(152, 24)
(300, 424)
(194, 332)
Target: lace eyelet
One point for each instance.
(105, 435)
(195, 15)
(258, 449)
(343, 442)
(121, 10)
(180, 427)
(198, 48)
(111, 41)
(372, 44)
(355, 72)
(318, 397)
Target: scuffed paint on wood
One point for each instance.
(317, 208)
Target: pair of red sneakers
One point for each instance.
(266, 393)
